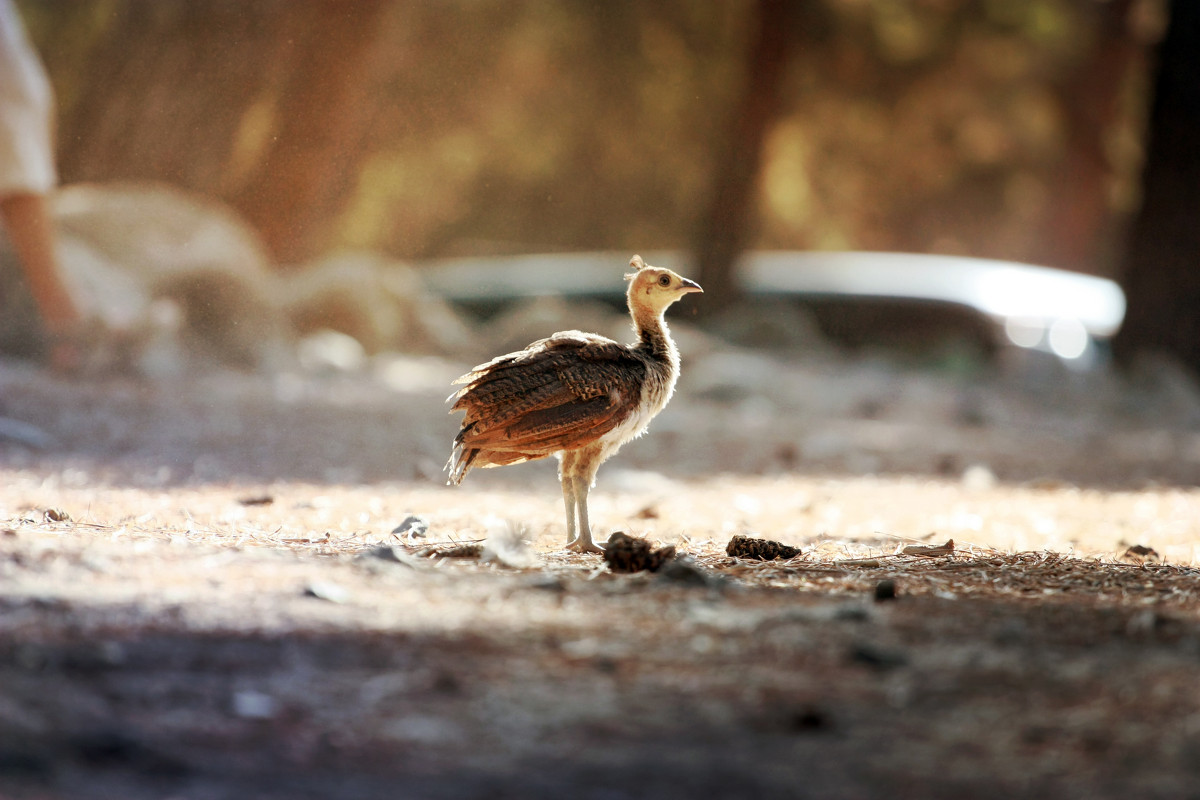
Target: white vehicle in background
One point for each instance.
(1038, 308)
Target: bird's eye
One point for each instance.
(665, 280)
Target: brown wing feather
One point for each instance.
(558, 394)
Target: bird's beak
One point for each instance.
(691, 286)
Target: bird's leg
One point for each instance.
(583, 543)
(582, 484)
(566, 474)
(568, 490)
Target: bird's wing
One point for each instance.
(561, 341)
(559, 393)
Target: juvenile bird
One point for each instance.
(574, 395)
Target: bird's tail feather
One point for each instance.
(460, 463)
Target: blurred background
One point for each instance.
(1010, 130)
(383, 176)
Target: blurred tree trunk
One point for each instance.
(309, 167)
(1077, 229)
(262, 104)
(726, 222)
(1162, 263)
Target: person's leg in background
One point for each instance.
(27, 220)
(27, 175)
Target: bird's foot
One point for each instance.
(582, 545)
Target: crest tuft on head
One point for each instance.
(637, 265)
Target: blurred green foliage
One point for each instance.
(998, 128)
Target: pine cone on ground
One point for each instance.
(761, 549)
(625, 553)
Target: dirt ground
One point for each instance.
(202, 597)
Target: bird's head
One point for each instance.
(656, 287)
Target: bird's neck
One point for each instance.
(654, 338)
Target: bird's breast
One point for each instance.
(656, 391)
